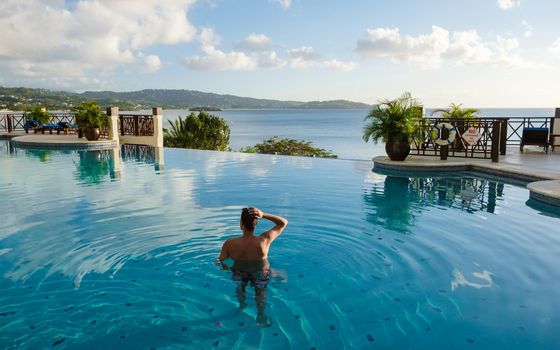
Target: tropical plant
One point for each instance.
(89, 115)
(202, 131)
(393, 120)
(289, 147)
(456, 112)
(39, 114)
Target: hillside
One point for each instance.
(20, 98)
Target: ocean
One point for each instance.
(337, 130)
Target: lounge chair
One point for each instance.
(66, 126)
(534, 137)
(58, 127)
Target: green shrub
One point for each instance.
(89, 115)
(202, 131)
(39, 114)
(289, 147)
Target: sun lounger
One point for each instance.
(58, 127)
(534, 137)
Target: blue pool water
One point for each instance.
(94, 254)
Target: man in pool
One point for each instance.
(250, 256)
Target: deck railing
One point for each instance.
(136, 125)
(490, 145)
(15, 121)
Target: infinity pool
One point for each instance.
(94, 254)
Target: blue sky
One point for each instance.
(483, 53)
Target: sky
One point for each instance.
(481, 53)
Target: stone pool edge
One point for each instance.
(542, 188)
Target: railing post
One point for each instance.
(503, 132)
(555, 129)
(157, 115)
(9, 122)
(135, 122)
(113, 115)
(496, 131)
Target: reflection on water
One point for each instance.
(144, 154)
(402, 199)
(94, 166)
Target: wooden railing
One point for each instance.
(15, 121)
(491, 144)
(516, 125)
(136, 125)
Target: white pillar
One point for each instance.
(556, 129)
(158, 164)
(113, 114)
(157, 114)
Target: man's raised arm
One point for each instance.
(280, 224)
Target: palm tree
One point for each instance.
(456, 112)
(394, 122)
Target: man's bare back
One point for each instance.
(249, 247)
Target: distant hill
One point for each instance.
(21, 98)
(192, 98)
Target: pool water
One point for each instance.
(94, 254)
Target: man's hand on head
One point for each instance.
(256, 212)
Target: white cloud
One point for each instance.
(218, 60)
(528, 29)
(306, 57)
(150, 63)
(431, 50)
(388, 42)
(270, 60)
(555, 48)
(508, 4)
(54, 40)
(339, 65)
(284, 3)
(254, 43)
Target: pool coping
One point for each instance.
(53, 142)
(543, 187)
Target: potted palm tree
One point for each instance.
(395, 122)
(90, 119)
(455, 112)
(458, 116)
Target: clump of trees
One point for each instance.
(289, 147)
(203, 131)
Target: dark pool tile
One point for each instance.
(59, 341)
(184, 329)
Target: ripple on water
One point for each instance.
(366, 260)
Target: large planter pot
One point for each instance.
(92, 134)
(398, 149)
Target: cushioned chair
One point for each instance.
(534, 137)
